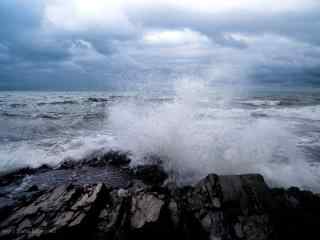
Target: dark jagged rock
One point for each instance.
(112, 221)
(145, 210)
(96, 100)
(84, 202)
(18, 186)
(6, 206)
(297, 215)
(33, 188)
(226, 207)
(113, 158)
(15, 176)
(150, 174)
(18, 175)
(64, 211)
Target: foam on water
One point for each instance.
(53, 151)
(262, 102)
(307, 112)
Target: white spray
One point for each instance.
(195, 135)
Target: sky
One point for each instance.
(103, 44)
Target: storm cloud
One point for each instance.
(96, 44)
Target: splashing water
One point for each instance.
(196, 134)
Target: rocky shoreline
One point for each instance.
(103, 198)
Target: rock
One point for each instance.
(206, 195)
(68, 164)
(97, 100)
(123, 193)
(33, 188)
(18, 175)
(230, 207)
(150, 216)
(6, 206)
(145, 209)
(150, 174)
(113, 220)
(15, 176)
(248, 193)
(64, 211)
(115, 158)
(98, 160)
(297, 214)
(134, 214)
(254, 227)
(86, 202)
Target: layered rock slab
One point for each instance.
(64, 211)
(217, 207)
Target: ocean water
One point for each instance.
(193, 128)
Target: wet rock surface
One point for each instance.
(108, 200)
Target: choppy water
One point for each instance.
(194, 129)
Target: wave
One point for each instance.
(99, 115)
(160, 99)
(14, 114)
(58, 102)
(283, 101)
(304, 113)
(18, 105)
(31, 115)
(48, 116)
(96, 99)
(259, 114)
(53, 151)
(259, 103)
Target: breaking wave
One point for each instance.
(262, 102)
(67, 102)
(194, 139)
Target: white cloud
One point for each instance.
(76, 15)
(175, 37)
(83, 15)
(261, 6)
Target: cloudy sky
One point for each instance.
(97, 44)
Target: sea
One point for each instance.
(194, 129)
